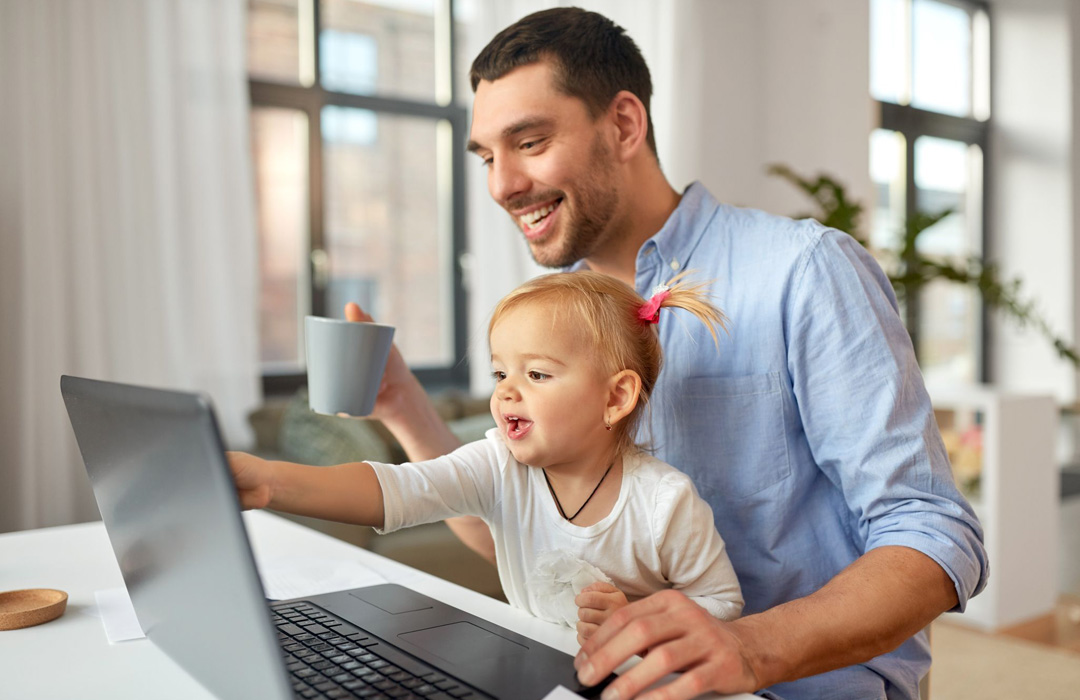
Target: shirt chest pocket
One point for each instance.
(737, 428)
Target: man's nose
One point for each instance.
(506, 180)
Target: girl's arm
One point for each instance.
(346, 492)
(693, 554)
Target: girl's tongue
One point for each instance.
(517, 428)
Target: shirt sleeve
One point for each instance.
(692, 553)
(464, 482)
(867, 416)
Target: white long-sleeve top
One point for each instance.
(659, 534)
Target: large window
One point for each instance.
(929, 73)
(357, 141)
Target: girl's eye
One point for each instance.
(499, 375)
(538, 376)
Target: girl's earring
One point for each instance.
(607, 425)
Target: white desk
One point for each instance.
(70, 657)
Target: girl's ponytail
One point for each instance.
(678, 294)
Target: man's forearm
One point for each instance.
(868, 609)
(417, 426)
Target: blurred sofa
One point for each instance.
(285, 428)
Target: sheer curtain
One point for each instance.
(127, 237)
(499, 258)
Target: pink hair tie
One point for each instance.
(649, 312)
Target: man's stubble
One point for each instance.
(589, 226)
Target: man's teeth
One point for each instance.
(537, 214)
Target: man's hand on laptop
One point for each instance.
(673, 634)
(253, 479)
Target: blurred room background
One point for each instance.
(181, 182)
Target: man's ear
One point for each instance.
(624, 388)
(631, 123)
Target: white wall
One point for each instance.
(1032, 223)
(780, 82)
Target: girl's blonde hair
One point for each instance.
(608, 315)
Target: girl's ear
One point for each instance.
(624, 388)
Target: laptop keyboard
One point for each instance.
(329, 658)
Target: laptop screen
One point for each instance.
(157, 466)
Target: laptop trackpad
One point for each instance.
(462, 642)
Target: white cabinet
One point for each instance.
(1017, 498)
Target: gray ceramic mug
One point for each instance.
(345, 363)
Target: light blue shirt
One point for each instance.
(810, 432)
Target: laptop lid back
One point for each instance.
(157, 466)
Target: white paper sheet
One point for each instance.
(562, 693)
(297, 576)
(118, 615)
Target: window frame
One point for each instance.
(913, 122)
(310, 100)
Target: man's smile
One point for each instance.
(535, 220)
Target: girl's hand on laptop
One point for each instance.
(596, 603)
(252, 477)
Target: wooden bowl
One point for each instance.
(30, 607)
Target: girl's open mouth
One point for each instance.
(517, 427)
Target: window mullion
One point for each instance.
(310, 97)
(911, 206)
(317, 264)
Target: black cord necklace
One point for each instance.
(559, 505)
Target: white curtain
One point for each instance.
(499, 258)
(127, 236)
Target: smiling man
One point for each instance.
(810, 433)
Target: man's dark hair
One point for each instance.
(592, 58)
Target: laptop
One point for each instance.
(166, 495)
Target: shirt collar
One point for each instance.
(673, 244)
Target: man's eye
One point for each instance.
(538, 376)
(486, 162)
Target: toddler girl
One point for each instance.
(565, 490)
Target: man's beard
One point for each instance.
(585, 226)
